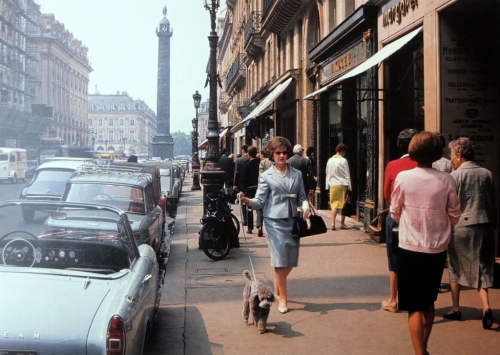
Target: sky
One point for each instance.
(123, 48)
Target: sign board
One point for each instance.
(11, 143)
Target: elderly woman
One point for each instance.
(338, 181)
(472, 247)
(425, 203)
(279, 193)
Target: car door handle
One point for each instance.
(146, 278)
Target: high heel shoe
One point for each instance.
(487, 319)
(455, 315)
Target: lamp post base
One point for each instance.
(196, 177)
(213, 182)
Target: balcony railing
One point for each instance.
(267, 5)
(254, 24)
(236, 71)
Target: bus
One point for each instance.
(53, 148)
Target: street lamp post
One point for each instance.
(196, 160)
(212, 177)
(124, 140)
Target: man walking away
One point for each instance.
(227, 165)
(249, 181)
(304, 166)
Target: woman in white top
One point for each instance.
(338, 180)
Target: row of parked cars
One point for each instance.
(86, 237)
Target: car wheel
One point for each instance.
(14, 179)
(28, 215)
(236, 223)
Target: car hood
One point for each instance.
(41, 311)
(53, 188)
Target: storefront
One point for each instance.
(446, 79)
(346, 109)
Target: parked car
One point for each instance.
(76, 291)
(49, 182)
(32, 166)
(131, 192)
(170, 186)
(178, 173)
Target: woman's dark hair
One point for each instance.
(278, 143)
(341, 147)
(464, 147)
(404, 139)
(310, 150)
(425, 148)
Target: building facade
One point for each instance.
(19, 127)
(64, 79)
(121, 124)
(323, 72)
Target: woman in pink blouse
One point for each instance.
(425, 203)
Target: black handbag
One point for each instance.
(300, 229)
(348, 210)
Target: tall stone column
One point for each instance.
(163, 144)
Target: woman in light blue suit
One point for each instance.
(280, 192)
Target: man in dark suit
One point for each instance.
(227, 165)
(304, 166)
(249, 181)
(236, 181)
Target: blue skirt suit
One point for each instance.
(279, 196)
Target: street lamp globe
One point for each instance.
(197, 100)
(212, 4)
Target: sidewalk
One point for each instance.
(334, 300)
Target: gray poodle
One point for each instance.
(257, 298)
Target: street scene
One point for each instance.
(274, 177)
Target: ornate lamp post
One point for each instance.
(196, 160)
(124, 140)
(212, 177)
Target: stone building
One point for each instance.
(322, 72)
(18, 76)
(64, 79)
(121, 124)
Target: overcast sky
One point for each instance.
(123, 48)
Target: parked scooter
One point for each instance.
(220, 227)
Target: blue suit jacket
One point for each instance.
(279, 197)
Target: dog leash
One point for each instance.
(245, 238)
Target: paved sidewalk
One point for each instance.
(334, 300)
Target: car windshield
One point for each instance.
(164, 172)
(126, 198)
(165, 183)
(39, 244)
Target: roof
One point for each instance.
(132, 179)
(65, 164)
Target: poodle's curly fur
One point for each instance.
(257, 298)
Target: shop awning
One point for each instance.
(278, 90)
(203, 145)
(223, 133)
(376, 59)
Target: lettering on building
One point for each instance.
(396, 13)
(343, 62)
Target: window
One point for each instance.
(110, 121)
(90, 122)
(132, 122)
(111, 136)
(100, 121)
(131, 136)
(121, 121)
(120, 136)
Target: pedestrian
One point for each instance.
(227, 165)
(471, 253)
(249, 180)
(425, 203)
(338, 182)
(311, 155)
(393, 168)
(442, 164)
(304, 166)
(279, 194)
(236, 181)
(265, 163)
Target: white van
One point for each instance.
(13, 164)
